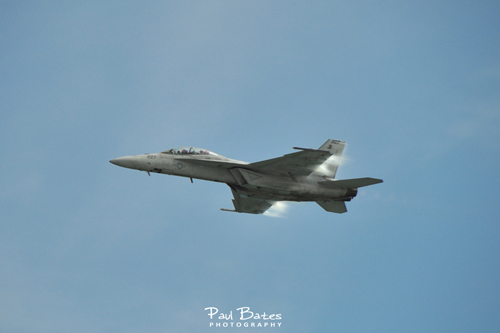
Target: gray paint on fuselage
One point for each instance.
(307, 175)
(180, 165)
(266, 186)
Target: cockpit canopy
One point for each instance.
(189, 151)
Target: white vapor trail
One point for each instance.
(277, 210)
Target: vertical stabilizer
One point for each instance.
(329, 167)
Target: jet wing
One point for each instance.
(305, 162)
(302, 163)
(244, 204)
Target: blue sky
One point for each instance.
(412, 88)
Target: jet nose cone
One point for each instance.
(125, 162)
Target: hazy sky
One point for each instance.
(413, 88)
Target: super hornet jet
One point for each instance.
(307, 175)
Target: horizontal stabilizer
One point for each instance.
(333, 206)
(351, 183)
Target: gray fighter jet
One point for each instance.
(307, 175)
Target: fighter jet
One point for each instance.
(306, 175)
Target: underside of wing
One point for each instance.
(245, 204)
(302, 163)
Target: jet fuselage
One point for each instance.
(306, 175)
(248, 182)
